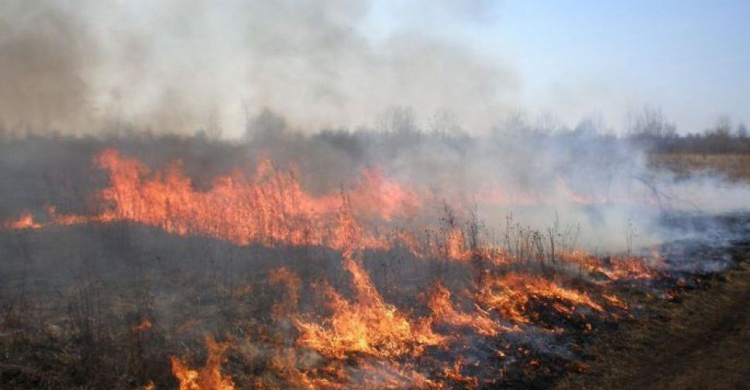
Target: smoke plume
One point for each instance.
(80, 66)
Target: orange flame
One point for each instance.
(439, 303)
(207, 378)
(367, 325)
(145, 324)
(510, 295)
(271, 208)
(24, 221)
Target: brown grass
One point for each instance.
(735, 167)
(699, 341)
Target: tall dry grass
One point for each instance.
(735, 167)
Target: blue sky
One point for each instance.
(578, 58)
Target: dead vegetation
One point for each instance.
(265, 285)
(735, 167)
(698, 339)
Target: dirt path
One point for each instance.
(702, 342)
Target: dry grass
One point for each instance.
(699, 341)
(736, 167)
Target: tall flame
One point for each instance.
(207, 378)
(366, 325)
(270, 208)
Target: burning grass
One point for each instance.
(697, 338)
(326, 290)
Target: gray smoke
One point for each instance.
(47, 56)
(80, 65)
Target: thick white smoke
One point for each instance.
(80, 66)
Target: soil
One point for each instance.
(698, 340)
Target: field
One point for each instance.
(190, 263)
(696, 341)
(334, 195)
(733, 166)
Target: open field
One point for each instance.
(734, 167)
(362, 194)
(698, 340)
(184, 262)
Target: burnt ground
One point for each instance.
(698, 340)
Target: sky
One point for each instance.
(184, 65)
(691, 58)
(579, 58)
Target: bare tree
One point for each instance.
(741, 130)
(592, 124)
(515, 123)
(398, 120)
(266, 123)
(212, 129)
(723, 126)
(649, 121)
(546, 123)
(444, 124)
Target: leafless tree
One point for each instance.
(398, 120)
(649, 121)
(444, 123)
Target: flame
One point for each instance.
(358, 338)
(270, 207)
(511, 294)
(616, 268)
(455, 245)
(207, 378)
(288, 306)
(631, 268)
(443, 311)
(267, 208)
(24, 221)
(377, 196)
(366, 325)
(145, 324)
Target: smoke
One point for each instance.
(80, 66)
(600, 189)
(47, 57)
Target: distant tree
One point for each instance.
(398, 120)
(212, 129)
(723, 126)
(445, 124)
(650, 122)
(741, 131)
(546, 123)
(265, 124)
(591, 125)
(515, 123)
(717, 138)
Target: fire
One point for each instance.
(443, 311)
(366, 325)
(145, 324)
(207, 378)
(288, 306)
(614, 268)
(269, 207)
(377, 196)
(356, 336)
(455, 245)
(511, 294)
(631, 267)
(24, 221)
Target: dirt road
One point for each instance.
(700, 342)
